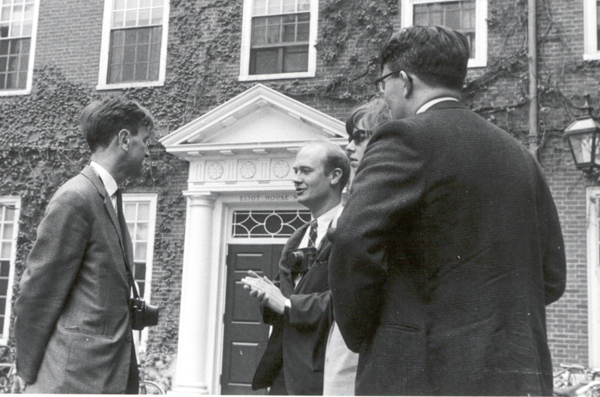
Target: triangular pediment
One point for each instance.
(258, 119)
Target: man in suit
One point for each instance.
(73, 327)
(297, 304)
(450, 245)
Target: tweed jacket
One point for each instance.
(73, 326)
(444, 258)
(298, 340)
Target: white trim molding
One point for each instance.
(29, 84)
(593, 274)
(15, 203)
(246, 44)
(105, 51)
(481, 36)
(590, 30)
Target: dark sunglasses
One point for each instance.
(358, 136)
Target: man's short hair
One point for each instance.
(335, 158)
(102, 120)
(436, 54)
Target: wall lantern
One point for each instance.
(583, 136)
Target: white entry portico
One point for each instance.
(241, 155)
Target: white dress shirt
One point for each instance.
(109, 182)
(434, 101)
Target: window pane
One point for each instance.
(303, 33)
(119, 5)
(458, 15)
(145, 3)
(289, 6)
(140, 251)
(303, 5)
(7, 232)
(141, 71)
(264, 61)
(295, 59)
(131, 18)
(118, 19)
(131, 58)
(274, 7)
(4, 272)
(5, 250)
(143, 212)
(260, 7)
(144, 17)
(140, 271)
(274, 30)
(131, 4)
(141, 231)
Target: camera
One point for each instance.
(142, 314)
(300, 260)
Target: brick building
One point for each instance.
(237, 87)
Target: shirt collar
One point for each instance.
(434, 101)
(109, 182)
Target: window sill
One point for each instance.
(591, 56)
(121, 86)
(14, 92)
(278, 76)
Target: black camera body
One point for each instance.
(142, 314)
(301, 259)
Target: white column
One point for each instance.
(193, 371)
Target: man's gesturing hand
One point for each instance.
(264, 291)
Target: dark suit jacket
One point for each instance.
(444, 259)
(298, 340)
(73, 327)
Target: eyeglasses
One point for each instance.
(380, 82)
(359, 136)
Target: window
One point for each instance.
(268, 223)
(465, 16)
(591, 29)
(18, 24)
(9, 225)
(134, 43)
(140, 214)
(278, 39)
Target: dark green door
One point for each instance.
(245, 336)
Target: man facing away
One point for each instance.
(297, 304)
(450, 245)
(73, 327)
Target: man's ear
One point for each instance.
(336, 175)
(124, 138)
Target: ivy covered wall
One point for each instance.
(41, 146)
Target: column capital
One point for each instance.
(206, 199)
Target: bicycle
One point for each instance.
(577, 380)
(148, 386)
(7, 369)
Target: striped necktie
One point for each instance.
(312, 237)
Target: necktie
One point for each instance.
(312, 237)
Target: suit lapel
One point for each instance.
(126, 247)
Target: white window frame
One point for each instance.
(481, 36)
(151, 199)
(105, 51)
(27, 89)
(593, 274)
(590, 26)
(14, 201)
(246, 44)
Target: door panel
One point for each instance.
(245, 336)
